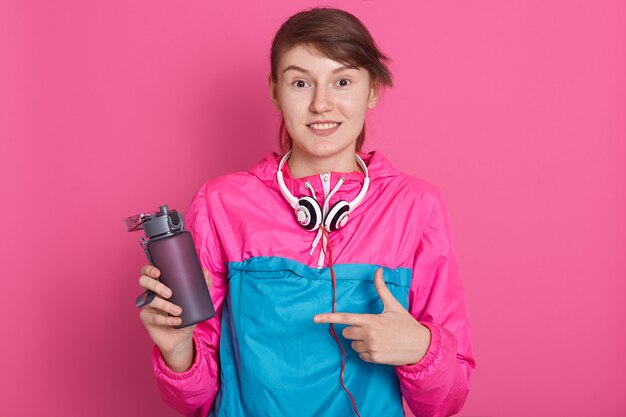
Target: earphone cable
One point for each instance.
(329, 259)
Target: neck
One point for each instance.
(304, 166)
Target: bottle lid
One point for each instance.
(156, 223)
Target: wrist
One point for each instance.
(422, 343)
(181, 358)
(426, 338)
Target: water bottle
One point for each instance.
(169, 247)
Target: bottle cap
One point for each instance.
(156, 223)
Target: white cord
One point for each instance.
(320, 262)
(310, 187)
(316, 240)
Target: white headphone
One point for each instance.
(307, 209)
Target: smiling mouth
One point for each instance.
(323, 126)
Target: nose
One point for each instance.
(322, 101)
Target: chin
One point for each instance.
(323, 147)
(325, 150)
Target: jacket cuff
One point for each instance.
(432, 352)
(161, 367)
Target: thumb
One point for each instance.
(207, 277)
(383, 292)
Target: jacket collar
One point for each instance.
(377, 165)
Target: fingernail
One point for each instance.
(317, 319)
(168, 292)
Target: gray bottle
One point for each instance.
(170, 248)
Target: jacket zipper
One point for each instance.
(325, 177)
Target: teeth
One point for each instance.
(323, 126)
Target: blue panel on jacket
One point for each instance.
(275, 361)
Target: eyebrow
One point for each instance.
(297, 68)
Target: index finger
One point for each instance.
(207, 277)
(352, 319)
(150, 271)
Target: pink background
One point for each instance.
(515, 110)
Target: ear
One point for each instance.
(373, 96)
(273, 93)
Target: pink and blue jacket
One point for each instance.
(262, 354)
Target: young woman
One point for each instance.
(333, 275)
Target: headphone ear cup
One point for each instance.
(337, 216)
(309, 213)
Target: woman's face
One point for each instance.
(323, 102)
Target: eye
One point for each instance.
(344, 82)
(300, 84)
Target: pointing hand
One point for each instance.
(393, 337)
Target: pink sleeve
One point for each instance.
(192, 392)
(439, 383)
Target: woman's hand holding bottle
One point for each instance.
(160, 316)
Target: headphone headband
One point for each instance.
(293, 201)
(307, 209)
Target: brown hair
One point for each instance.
(338, 35)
